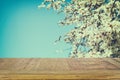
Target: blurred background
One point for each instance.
(29, 32)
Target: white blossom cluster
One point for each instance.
(97, 26)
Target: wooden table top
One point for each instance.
(62, 68)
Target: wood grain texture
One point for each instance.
(60, 69)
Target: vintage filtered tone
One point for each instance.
(61, 69)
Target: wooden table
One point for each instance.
(60, 69)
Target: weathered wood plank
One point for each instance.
(104, 75)
(83, 68)
(113, 62)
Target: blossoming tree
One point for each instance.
(97, 26)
